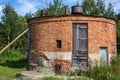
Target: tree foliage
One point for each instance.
(57, 8)
(98, 8)
(11, 26)
(28, 16)
(89, 7)
(37, 13)
(110, 11)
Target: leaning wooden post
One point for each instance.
(13, 41)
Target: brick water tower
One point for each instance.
(70, 40)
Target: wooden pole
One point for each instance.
(13, 41)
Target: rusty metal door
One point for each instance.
(80, 45)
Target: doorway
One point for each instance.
(103, 56)
(80, 45)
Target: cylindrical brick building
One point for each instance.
(71, 40)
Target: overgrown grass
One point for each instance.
(11, 55)
(52, 78)
(111, 72)
(56, 78)
(7, 73)
(11, 62)
(13, 59)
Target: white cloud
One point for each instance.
(24, 6)
(27, 6)
(1, 11)
(72, 2)
(0, 8)
(117, 7)
(115, 3)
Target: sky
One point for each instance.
(24, 6)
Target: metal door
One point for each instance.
(103, 56)
(80, 45)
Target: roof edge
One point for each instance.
(72, 15)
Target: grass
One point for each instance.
(52, 78)
(56, 78)
(11, 63)
(7, 73)
(13, 59)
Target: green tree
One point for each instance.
(12, 25)
(2, 39)
(38, 13)
(57, 8)
(110, 12)
(28, 16)
(100, 8)
(89, 7)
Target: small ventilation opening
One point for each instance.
(59, 43)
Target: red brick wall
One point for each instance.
(64, 64)
(46, 30)
(44, 36)
(101, 35)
